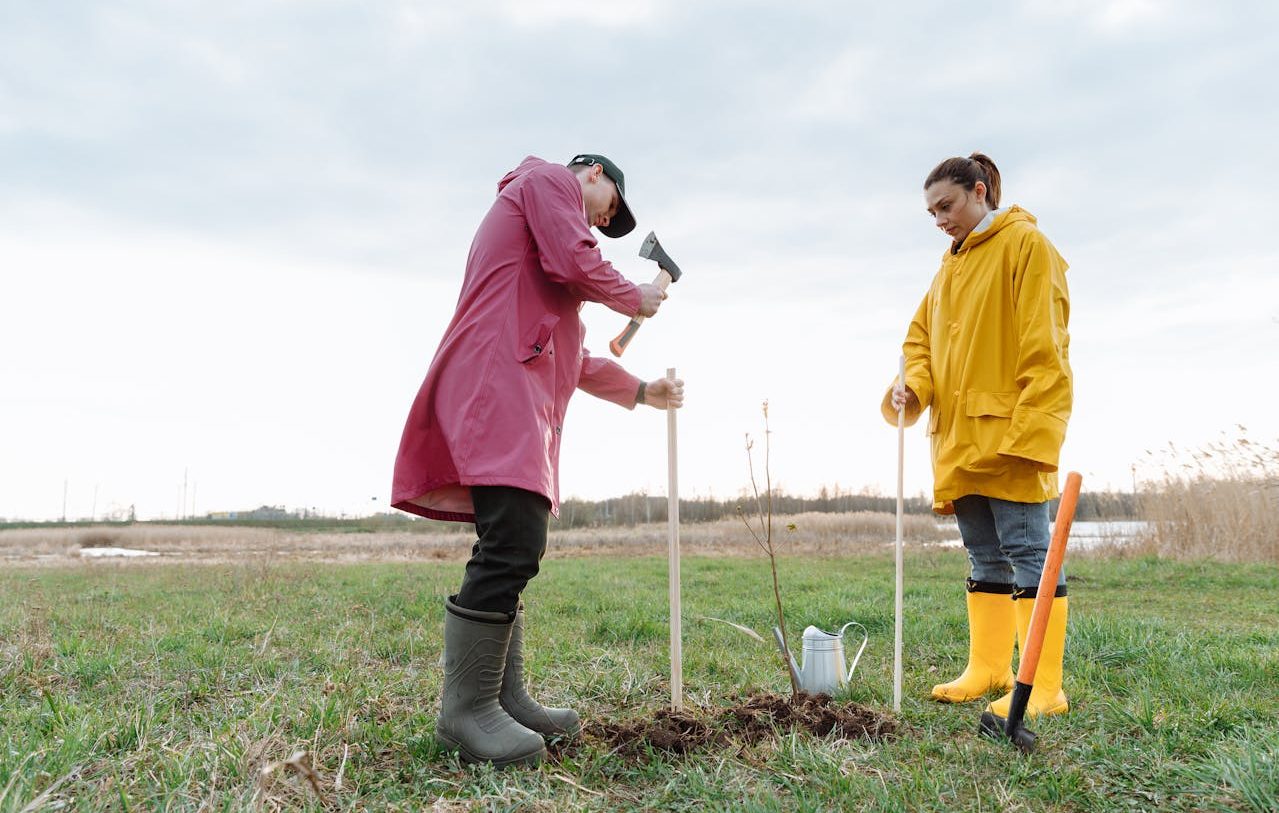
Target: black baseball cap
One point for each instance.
(621, 224)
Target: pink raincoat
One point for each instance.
(491, 409)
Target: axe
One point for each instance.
(650, 250)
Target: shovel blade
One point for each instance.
(992, 725)
(1022, 738)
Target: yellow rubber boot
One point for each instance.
(991, 632)
(1047, 696)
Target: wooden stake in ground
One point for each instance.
(897, 600)
(672, 511)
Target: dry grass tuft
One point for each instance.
(97, 538)
(1218, 502)
(300, 766)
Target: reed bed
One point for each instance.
(1218, 502)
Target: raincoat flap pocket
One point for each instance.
(997, 404)
(538, 340)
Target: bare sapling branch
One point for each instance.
(765, 518)
(750, 464)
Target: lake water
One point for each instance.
(1083, 535)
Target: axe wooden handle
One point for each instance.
(618, 345)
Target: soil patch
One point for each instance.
(817, 714)
(756, 718)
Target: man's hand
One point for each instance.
(904, 397)
(650, 299)
(664, 393)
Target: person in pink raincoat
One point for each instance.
(482, 439)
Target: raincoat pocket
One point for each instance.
(990, 404)
(537, 341)
(989, 416)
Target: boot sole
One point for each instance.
(562, 736)
(530, 759)
(554, 733)
(941, 697)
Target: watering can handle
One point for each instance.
(858, 656)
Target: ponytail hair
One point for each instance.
(966, 172)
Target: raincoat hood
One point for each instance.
(527, 165)
(993, 223)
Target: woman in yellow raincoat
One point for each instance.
(988, 354)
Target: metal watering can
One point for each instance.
(824, 661)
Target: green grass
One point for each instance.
(171, 688)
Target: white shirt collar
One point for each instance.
(987, 220)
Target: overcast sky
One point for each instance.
(232, 234)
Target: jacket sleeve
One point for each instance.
(1041, 303)
(569, 253)
(919, 366)
(606, 379)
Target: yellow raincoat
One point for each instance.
(988, 352)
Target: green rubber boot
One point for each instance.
(515, 699)
(472, 721)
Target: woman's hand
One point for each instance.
(904, 397)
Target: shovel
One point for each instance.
(1014, 728)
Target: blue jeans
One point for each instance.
(1006, 541)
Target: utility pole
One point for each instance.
(184, 494)
(93, 517)
(64, 500)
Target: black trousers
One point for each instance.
(511, 526)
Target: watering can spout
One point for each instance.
(786, 656)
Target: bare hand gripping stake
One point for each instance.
(650, 250)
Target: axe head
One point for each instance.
(652, 250)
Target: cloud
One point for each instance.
(544, 13)
(264, 160)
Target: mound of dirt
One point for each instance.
(762, 714)
(678, 732)
(756, 718)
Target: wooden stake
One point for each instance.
(897, 601)
(672, 510)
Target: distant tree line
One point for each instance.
(1098, 505)
(631, 509)
(639, 508)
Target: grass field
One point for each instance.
(185, 687)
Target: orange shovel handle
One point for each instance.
(1048, 579)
